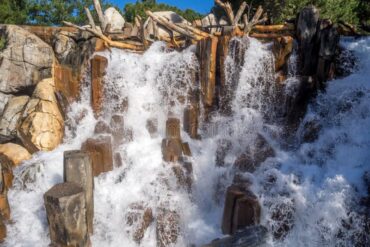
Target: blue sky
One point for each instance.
(202, 6)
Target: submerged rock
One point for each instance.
(249, 237)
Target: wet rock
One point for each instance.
(66, 212)
(114, 19)
(100, 150)
(78, 169)
(282, 219)
(206, 53)
(167, 228)
(15, 153)
(152, 126)
(67, 82)
(172, 147)
(311, 130)
(4, 206)
(2, 230)
(329, 40)
(42, 124)
(221, 79)
(242, 209)
(118, 162)
(64, 44)
(191, 121)
(102, 127)
(223, 147)
(251, 236)
(254, 155)
(282, 48)
(140, 218)
(118, 130)
(11, 115)
(184, 174)
(98, 70)
(307, 25)
(25, 60)
(6, 173)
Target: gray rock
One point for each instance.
(12, 113)
(4, 98)
(115, 19)
(24, 61)
(64, 44)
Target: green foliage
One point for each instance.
(13, 11)
(132, 10)
(336, 10)
(53, 12)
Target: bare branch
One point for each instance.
(91, 20)
(228, 9)
(239, 13)
(98, 9)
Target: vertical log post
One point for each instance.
(78, 169)
(98, 70)
(66, 212)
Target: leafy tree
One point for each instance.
(54, 12)
(138, 8)
(13, 11)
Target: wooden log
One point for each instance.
(194, 30)
(78, 169)
(239, 13)
(109, 42)
(206, 52)
(172, 26)
(98, 70)
(100, 151)
(90, 18)
(266, 35)
(273, 28)
(101, 17)
(66, 212)
(228, 9)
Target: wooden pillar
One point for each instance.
(206, 51)
(66, 212)
(98, 69)
(241, 209)
(78, 169)
(100, 150)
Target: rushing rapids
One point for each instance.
(309, 190)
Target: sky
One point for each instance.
(201, 6)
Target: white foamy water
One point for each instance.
(320, 180)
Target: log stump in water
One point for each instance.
(100, 150)
(98, 69)
(242, 209)
(78, 169)
(66, 212)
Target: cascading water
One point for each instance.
(309, 194)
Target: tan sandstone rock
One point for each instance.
(42, 124)
(15, 153)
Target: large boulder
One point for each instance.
(24, 61)
(155, 30)
(11, 115)
(114, 19)
(15, 153)
(42, 124)
(64, 44)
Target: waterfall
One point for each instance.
(309, 194)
